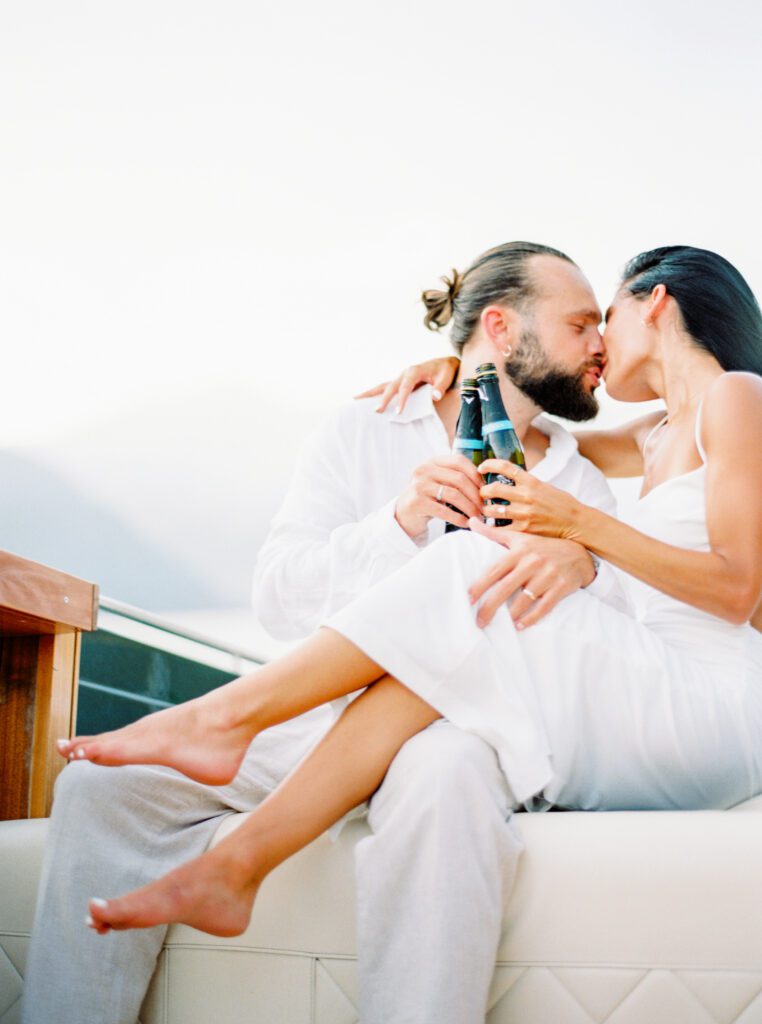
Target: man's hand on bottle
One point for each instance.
(442, 481)
(537, 572)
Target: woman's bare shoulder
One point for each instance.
(733, 394)
(734, 385)
(732, 408)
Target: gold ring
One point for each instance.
(529, 594)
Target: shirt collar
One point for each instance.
(563, 447)
(419, 405)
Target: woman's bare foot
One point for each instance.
(206, 893)
(197, 738)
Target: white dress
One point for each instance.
(591, 708)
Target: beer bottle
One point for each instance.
(468, 432)
(500, 438)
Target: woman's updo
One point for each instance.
(498, 275)
(717, 306)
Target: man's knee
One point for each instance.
(444, 755)
(85, 784)
(472, 548)
(442, 765)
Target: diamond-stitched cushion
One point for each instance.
(650, 918)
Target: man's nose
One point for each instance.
(596, 345)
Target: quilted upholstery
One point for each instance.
(618, 918)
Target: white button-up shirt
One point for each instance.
(336, 533)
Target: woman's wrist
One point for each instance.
(583, 525)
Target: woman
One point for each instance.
(590, 708)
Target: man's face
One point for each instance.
(560, 356)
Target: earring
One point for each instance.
(508, 351)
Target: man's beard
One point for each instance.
(555, 391)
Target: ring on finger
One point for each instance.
(530, 594)
(440, 492)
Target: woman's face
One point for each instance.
(628, 349)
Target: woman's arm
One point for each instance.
(618, 452)
(440, 373)
(725, 581)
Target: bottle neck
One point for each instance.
(494, 413)
(468, 431)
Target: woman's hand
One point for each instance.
(537, 572)
(440, 373)
(535, 507)
(436, 484)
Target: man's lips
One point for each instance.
(595, 373)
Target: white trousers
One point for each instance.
(432, 878)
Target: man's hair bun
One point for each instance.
(439, 303)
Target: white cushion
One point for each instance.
(628, 918)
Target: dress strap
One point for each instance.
(652, 431)
(699, 445)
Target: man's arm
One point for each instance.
(319, 553)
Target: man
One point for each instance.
(367, 495)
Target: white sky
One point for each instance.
(212, 194)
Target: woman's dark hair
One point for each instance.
(498, 275)
(718, 307)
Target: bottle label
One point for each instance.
(467, 444)
(497, 425)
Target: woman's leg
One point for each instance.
(215, 892)
(207, 738)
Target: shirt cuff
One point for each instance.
(607, 586)
(388, 532)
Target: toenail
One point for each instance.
(98, 902)
(81, 752)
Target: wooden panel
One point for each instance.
(15, 624)
(55, 715)
(32, 590)
(18, 676)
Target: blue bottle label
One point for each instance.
(488, 428)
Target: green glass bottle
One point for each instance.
(500, 438)
(468, 432)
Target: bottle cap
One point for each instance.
(485, 369)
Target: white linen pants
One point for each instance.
(432, 878)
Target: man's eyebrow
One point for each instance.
(588, 314)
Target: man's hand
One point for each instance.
(540, 571)
(446, 480)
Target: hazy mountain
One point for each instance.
(164, 508)
(49, 519)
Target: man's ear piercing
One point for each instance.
(507, 351)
